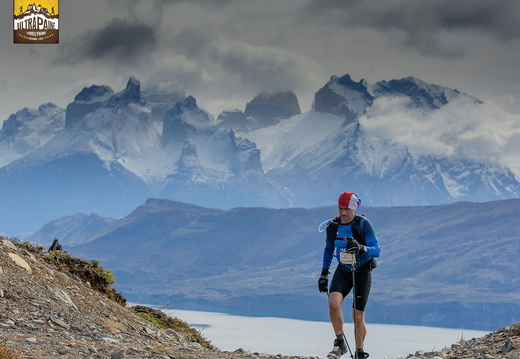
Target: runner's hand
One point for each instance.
(323, 282)
(355, 246)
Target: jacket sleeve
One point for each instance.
(328, 254)
(371, 240)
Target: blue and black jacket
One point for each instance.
(364, 235)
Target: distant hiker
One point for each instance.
(354, 239)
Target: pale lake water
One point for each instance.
(310, 338)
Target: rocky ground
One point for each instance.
(501, 344)
(49, 311)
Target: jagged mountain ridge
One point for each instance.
(344, 97)
(78, 171)
(319, 155)
(264, 110)
(422, 94)
(111, 156)
(27, 130)
(270, 155)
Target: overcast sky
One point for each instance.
(224, 52)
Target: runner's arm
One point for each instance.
(372, 243)
(328, 254)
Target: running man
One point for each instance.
(349, 234)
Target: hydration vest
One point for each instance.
(355, 227)
(332, 229)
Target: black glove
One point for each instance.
(354, 246)
(323, 282)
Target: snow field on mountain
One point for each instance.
(279, 144)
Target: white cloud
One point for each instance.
(463, 130)
(234, 69)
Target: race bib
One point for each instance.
(347, 258)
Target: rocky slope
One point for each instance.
(48, 312)
(501, 344)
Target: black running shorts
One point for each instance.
(342, 282)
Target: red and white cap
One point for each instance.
(349, 199)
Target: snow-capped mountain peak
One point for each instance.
(343, 96)
(28, 130)
(131, 94)
(116, 150)
(188, 167)
(93, 94)
(421, 94)
(184, 120)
